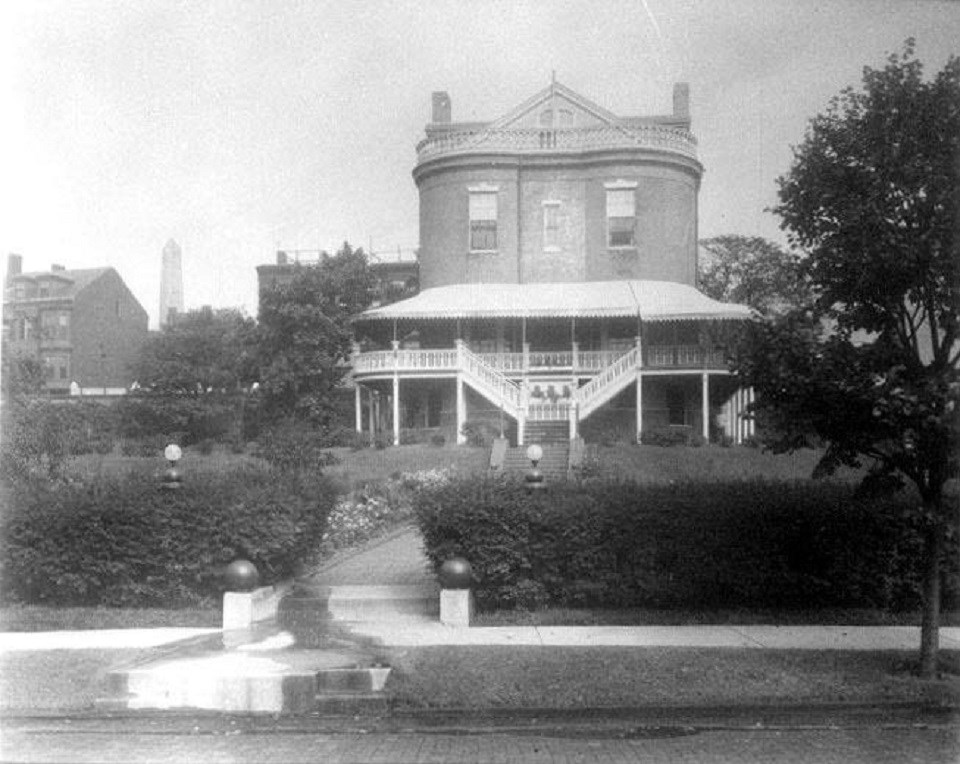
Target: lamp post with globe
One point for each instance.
(534, 478)
(172, 479)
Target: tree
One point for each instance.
(304, 333)
(203, 350)
(755, 272)
(872, 368)
(21, 374)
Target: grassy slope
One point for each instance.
(564, 677)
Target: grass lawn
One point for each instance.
(46, 618)
(578, 677)
(645, 617)
(658, 464)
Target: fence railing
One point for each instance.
(445, 359)
(569, 140)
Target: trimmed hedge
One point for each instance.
(125, 541)
(731, 544)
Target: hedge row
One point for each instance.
(730, 544)
(125, 541)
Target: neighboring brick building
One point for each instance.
(394, 278)
(84, 325)
(558, 261)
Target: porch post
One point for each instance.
(639, 345)
(372, 415)
(396, 392)
(750, 423)
(705, 406)
(639, 404)
(461, 410)
(573, 420)
(522, 414)
(358, 407)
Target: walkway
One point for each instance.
(397, 559)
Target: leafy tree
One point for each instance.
(872, 368)
(755, 272)
(203, 350)
(304, 333)
(21, 374)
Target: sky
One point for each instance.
(240, 127)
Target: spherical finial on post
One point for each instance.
(241, 576)
(456, 573)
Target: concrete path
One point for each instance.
(397, 559)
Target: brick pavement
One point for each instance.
(396, 559)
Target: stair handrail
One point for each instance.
(474, 366)
(608, 376)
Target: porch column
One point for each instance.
(372, 415)
(573, 420)
(750, 422)
(705, 406)
(639, 404)
(461, 410)
(396, 392)
(358, 407)
(522, 414)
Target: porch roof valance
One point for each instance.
(650, 300)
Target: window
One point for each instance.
(118, 308)
(621, 217)
(566, 118)
(56, 367)
(483, 221)
(546, 118)
(551, 225)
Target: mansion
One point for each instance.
(558, 267)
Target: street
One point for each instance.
(165, 740)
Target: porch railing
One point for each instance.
(445, 359)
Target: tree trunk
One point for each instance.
(930, 626)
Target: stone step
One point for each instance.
(358, 604)
(546, 431)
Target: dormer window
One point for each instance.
(483, 219)
(546, 118)
(566, 118)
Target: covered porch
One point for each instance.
(518, 354)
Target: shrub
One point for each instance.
(205, 446)
(292, 446)
(124, 541)
(670, 436)
(479, 432)
(730, 544)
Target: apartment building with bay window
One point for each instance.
(558, 262)
(84, 325)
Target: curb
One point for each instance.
(498, 720)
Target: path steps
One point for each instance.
(306, 662)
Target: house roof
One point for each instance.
(650, 300)
(72, 281)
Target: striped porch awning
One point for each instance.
(648, 300)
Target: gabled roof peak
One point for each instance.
(552, 92)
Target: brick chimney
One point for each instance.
(442, 109)
(14, 265)
(681, 100)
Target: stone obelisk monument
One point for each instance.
(171, 283)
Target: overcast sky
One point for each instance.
(238, 127)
